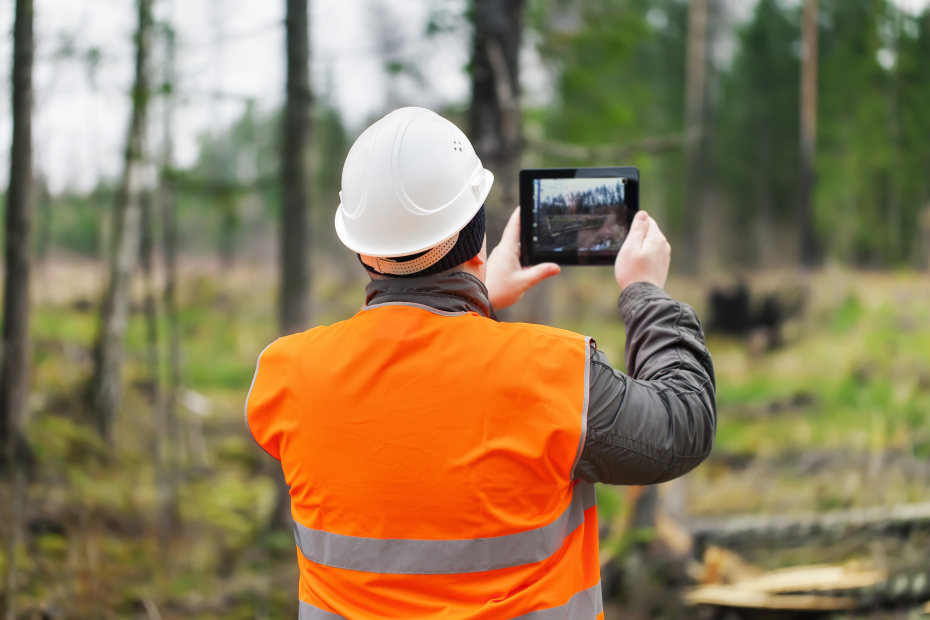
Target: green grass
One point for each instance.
(862, 374)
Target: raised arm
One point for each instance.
(659, 421)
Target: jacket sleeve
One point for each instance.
(658, 422)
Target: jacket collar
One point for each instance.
(453, 292)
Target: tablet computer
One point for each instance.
(576, 216)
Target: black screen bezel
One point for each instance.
(529, 254)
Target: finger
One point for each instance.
(511, 234)
(531, 276)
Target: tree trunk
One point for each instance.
(495, 124)
(168, 488)
(294, 295)
(695, 79)
(295, 172)
(14, 365)
(809, 249)
(106, 383)
(150, 309)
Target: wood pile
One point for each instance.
(728, 581)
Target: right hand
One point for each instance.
(645, 254)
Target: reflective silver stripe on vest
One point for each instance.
(584, 605)
(403, 556)
(309, 612)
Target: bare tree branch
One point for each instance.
(580, 152)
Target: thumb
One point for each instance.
(639, 228)
(531, 276)
(511, 234)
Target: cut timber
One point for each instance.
(814, 588)
(736, 596)
(722, 566)
(815, 578)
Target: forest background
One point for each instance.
(783, 147)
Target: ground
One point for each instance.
(832, 417)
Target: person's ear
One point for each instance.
(477, 260)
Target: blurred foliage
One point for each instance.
(850, 392)
(616, 77)
(759, 98)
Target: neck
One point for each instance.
(459, 291)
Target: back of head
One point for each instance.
(412, 195)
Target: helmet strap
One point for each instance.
(454, 251)
(408, 265)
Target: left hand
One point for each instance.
(507, 279)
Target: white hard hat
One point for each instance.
(411, 181)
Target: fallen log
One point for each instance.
(746, 531)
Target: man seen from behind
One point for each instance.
(441, 463)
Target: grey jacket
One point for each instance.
(650, 426)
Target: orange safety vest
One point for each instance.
(430, 460)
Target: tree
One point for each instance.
(295, 171)
(695, 79)
(167, 198)
(294, 294)
(911, 116)
(855, 155)
(106, 383)
(495, 121)
(759, 155)
(14, 365)
(808, 131)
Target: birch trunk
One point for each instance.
(168, 487)
(106, 383)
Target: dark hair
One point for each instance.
(466, 247)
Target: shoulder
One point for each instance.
(279, 351)
(290, 345)
(546, 332)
